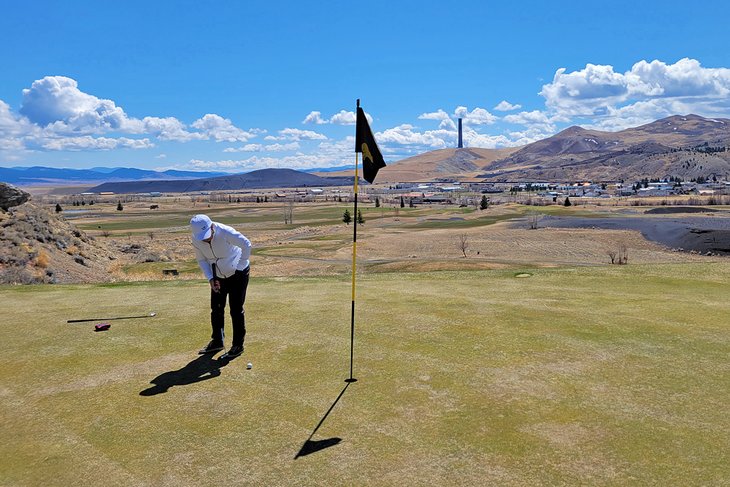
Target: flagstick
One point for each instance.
(354, 266)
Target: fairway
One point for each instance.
(603, 375)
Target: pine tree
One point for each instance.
(377, 202)
(402, 203)
(346, 217)
(484, 203)
(567, 201)
(119, 206)
(58, 208)
(360, 219)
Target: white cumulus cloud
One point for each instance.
(222, 129)
(298, 161)
(472, 138)
(56, 115)
(297, 135)
(57, 102)
(87, 142)
(14, 129)
(598, 90)
(168, 128)
(343, 117)
(292, 146)
(505, 106)
(478, 116)
(314, 117)
(528, 118)
(406, 135)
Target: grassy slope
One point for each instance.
(598, 376)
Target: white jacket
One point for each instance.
(229, 250)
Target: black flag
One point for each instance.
(372, 160)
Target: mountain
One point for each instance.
(682, 146)
(264, 178)
(442, 164)
(687, 146)
(37, 175)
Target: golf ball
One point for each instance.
(249, 365)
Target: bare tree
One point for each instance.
(463, 243)
(623, 254)
(611, 255)
(533, 218)
(289, 213)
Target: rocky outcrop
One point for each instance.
(38, 246)
(11, 196)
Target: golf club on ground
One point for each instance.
(150, 315)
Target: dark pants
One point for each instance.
(235, 288)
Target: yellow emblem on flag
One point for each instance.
(366, 152)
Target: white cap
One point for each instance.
(201, 226)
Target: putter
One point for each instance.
(150, 315)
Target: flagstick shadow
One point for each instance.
(312, 446)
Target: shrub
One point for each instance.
(43, 259)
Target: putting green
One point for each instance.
(611, 375)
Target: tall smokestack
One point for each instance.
(461, 143)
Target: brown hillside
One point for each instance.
(688, 146)
(684, 146)
(456, 164)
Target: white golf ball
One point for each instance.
(249, 365)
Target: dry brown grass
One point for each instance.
(42, 259)
(401, 244)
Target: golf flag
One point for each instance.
(372, 160)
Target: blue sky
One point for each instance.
(237, 86)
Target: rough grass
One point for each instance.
(140, 218)
(589, 376)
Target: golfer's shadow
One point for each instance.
(200, 369)
(312, 446)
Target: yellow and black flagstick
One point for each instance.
(354, 268)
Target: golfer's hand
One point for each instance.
(215, 285)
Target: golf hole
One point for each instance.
(523, 274)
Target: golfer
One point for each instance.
(223, 255)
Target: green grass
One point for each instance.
(611, 375)
(456, 223)
(126, 222)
